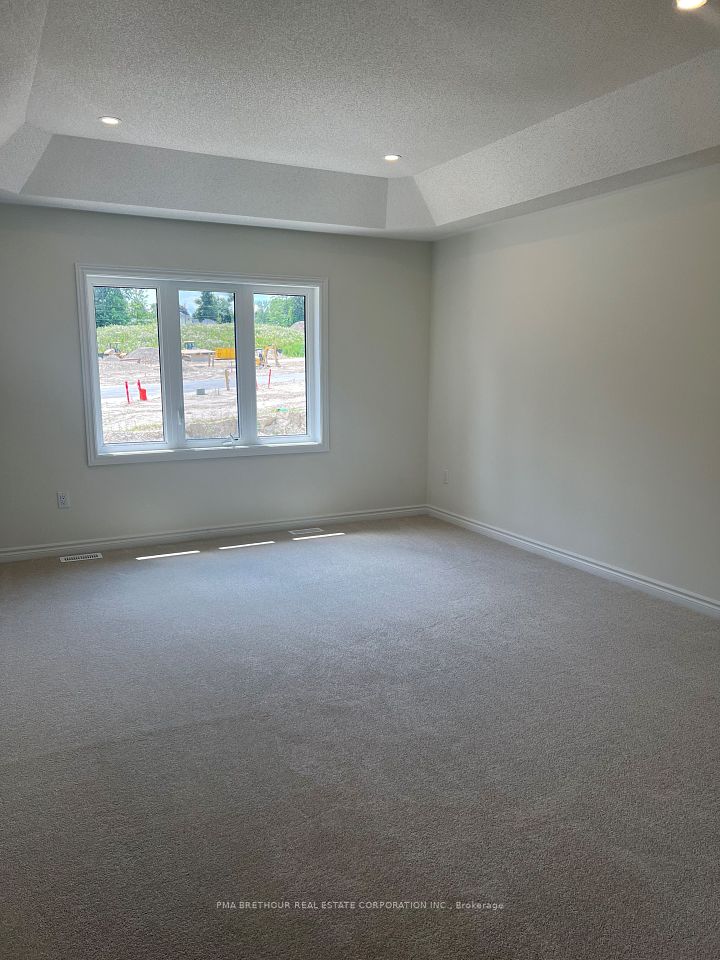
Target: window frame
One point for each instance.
(175, 446)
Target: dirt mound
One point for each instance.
(144, 354)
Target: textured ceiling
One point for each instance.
(21, 28)
(279, 112)
(337, 84)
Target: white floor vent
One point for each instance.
(305, 531)
(81, 556)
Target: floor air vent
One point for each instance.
(81, 556)
(306, 530)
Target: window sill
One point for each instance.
(104, 458)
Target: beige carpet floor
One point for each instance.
(408, 712)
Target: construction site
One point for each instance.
(131, 394)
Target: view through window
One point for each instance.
(280, 365)
(196, 365)
(126, 320)
(209, 368)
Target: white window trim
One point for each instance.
(176, 446)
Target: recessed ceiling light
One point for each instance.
(392, 157)
(110, 121)
(690, 4)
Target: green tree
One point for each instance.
(140, 310)
(184, 313)
(111, 307)
(226, 308)
(207, 307)
(284, 311)
(261, 310)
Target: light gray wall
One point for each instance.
(575, 379)
(379, 298)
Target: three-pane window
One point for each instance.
(186, 366)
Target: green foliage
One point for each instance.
(122, 305)
(110, 306)
(214, 307)
(207, 308)
(291, 342)
(127, 337)
(205, 336)
(226, 309)
(282, 311)
(139, 308)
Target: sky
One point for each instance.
(188, 298)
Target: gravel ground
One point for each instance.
(281, 404)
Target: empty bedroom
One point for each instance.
(360, 475)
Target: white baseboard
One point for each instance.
(200, 533)
(665, 591)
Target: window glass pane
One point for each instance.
(126, 323)
(207, 341)
(280, 365)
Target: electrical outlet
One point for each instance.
(63, 500)
(446, 476)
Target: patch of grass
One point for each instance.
(205, 336)
(291, 342)
(127, 337)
